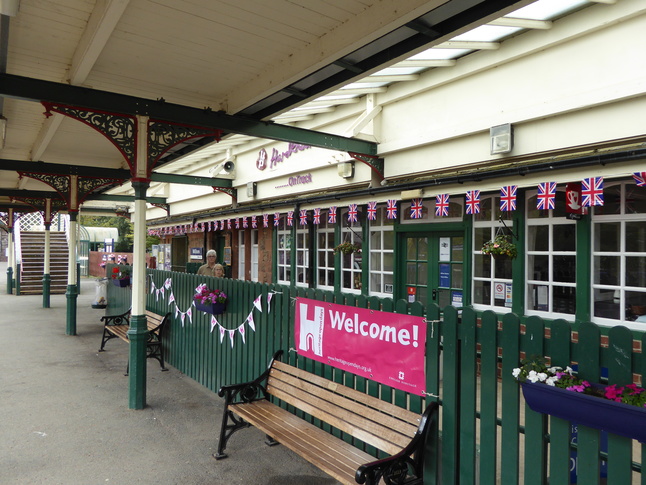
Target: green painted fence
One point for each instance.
(488, 436)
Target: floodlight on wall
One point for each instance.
(501, 139)
(345, 169)
(252, 188)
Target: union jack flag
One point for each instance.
(508, 198)
(442, 205)
(372, 211)
(416, 208)
(265, 220)
(237, 223)
(276, 219)
(546, 195)
(222, 225)
(473, 202)
(303, 217)
(352, 213)
(640, 179)
(592, 191)
(245, 223)
(391, 209)
(254, 222)
(317, 216)
(331, 215)
(228, 223)
(290, 218)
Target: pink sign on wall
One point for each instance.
(384, 347)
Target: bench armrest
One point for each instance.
(248, 391)
(407, 466)
(123, 319)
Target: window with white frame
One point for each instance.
(284, 251)
(241, 255)
(302, 255)
(491, 276)
(351, 263)
(551, 258)
(254, 254)
(619, 256)
(382, 258)
(325, 255)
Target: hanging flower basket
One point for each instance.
(212, 308)
(561, 393)
(501, 245)
(210, 301)
(122, 282)
(347, 248)
(595, 412)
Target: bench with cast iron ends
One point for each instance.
(117, 326)
(399, 433)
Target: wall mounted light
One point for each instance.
(346, 170)
(501, 138)
(252, 188)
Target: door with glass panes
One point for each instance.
(433, 269)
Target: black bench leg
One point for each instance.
(269, 441)
(227, 430)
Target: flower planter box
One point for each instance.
(121, 282)
(212, 308)
(613, 417)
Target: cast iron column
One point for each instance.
(71, 293)
(47, 262)
(138, 328)
(9, 261)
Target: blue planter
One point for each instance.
(212, 308)
(594, 412)
(123, 282)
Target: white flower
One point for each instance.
(542, 376)
(551, 381)
(554, 370)
(569, 370)
(532, 376)
(516, 372)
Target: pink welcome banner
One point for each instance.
(384, 347)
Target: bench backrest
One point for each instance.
(156, 322)
(375, 422)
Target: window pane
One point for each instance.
(482, 266)
(636, 236)
(564, 299)
(607, 237)
(482, 292)
(389, 240)
(636, 271)
(565, 269)
(457, 250)
(606, 305)
(606, 270)
(503, 267)
(564, 238)
(538, 238)
(539, 265)
(456, 275)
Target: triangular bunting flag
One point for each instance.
(269, 295)
(232, 334)
(257, 304)
(214, 322)
(241, 330)
(189, 312)
(222, 332)
(251, 322)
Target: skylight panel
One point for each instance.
(487, 33)
(547, 9)
(439, 54)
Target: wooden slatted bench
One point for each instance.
(399, 433)
(117, 326)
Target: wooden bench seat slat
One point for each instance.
(364, 434)
(381, 418)
(337, 458)
(368, 400)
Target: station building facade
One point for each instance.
(542, 140)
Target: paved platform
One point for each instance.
(64, 416)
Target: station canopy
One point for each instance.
(233, 66)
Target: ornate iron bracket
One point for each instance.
(514, 234)
(227, 190)
(166, 207)
(62, 185)
(375, 163)
(121, 130)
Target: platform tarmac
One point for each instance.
(64, 416)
